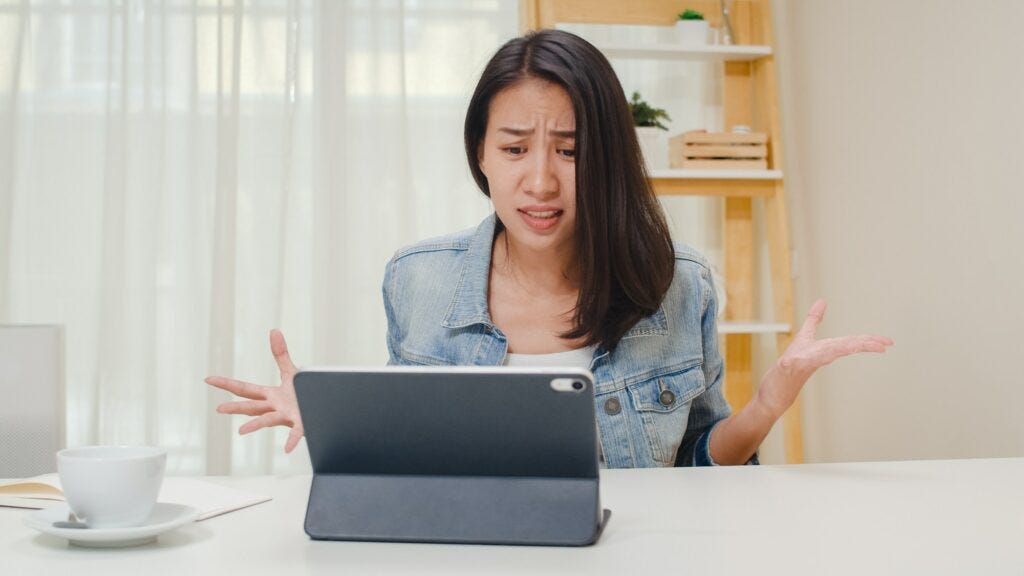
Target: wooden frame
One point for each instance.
(751, 99)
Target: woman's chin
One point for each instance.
(546, 241)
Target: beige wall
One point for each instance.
(904, 135)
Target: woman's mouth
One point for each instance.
(540, 220)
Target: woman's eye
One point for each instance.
(568, 152)
(514, 150)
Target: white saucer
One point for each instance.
(163, 518)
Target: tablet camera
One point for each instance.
(571, 385)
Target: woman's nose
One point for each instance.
(541, 181)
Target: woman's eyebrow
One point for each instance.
(529, 131)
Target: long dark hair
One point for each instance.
(623, 246)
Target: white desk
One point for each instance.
(927, 518)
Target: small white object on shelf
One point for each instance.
(692, 32)
(654, 146)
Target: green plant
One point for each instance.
(689, 14)
(646, 115)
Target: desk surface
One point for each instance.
(928, 517)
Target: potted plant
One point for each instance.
(650, 132)
(692, 28)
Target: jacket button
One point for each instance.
(667, 397)
(612, 406)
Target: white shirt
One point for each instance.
(578, 358)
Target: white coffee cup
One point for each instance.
(111, 486)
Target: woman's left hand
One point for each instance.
(783, 382)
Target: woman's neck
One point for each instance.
(550, 271)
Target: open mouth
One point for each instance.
(544, 214)
(540, 219)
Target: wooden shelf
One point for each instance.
(709, 52)
(692, 174)
(724, 183)
(751, 327)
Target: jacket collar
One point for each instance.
(469, 304)
(654, 325)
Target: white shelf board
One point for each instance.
(665, 51)
(717, 174)
(751, 327)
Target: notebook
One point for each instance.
(211, 499)
(455, 455)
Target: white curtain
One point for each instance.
(179, 177)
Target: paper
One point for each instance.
(210, 498)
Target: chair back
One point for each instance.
(31, 399)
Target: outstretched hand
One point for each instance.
(271, 405)
(783, 382)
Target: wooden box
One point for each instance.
(719, 150)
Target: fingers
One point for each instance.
(237, 387)
(807, 358)
(264, 421)
(279, 348)
(814, 317)
(833, 348)
(247, 407)
(293, 439)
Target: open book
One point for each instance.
(211, 499)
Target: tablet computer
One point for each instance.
(488, 455)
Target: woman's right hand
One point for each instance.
(271, 405)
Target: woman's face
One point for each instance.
(528, 158)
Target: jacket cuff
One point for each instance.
(702, 451)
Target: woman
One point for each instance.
(574, 268)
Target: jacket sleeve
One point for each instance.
(710, 407)
(389, 289)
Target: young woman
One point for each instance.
(574, 268)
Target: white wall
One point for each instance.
(904, 135)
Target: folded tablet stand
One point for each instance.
(457, 456)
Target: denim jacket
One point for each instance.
(658, 395)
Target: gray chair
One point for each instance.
(31, 399)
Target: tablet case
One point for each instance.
(453, 455)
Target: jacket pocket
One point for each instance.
(412, 358)
(663, 404)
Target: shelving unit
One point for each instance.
(752, 327)
(722, 183)
(684, 174)
(711, 53)
(751, 99)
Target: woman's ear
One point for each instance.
(480, 158)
